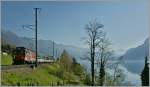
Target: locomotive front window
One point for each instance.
(20, 51)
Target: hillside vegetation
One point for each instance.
(57, 73)
(6, 59)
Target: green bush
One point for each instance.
(6, 59)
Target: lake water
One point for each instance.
(134, 66)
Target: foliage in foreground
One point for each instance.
(43, 75)
(47, 74)
(6, 59)
(145, 73)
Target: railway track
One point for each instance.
(12, 67)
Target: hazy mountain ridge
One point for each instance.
(138, 52)
(45, 47)
(134, 58)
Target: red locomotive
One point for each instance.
(24, 55)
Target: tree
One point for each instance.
(119, 80)
(118, 75)
(87, 79)
(8, 48)
(78, 69)
(93, 31)
(105, 53)
(66, 61)
(145, 74)
(74, 61)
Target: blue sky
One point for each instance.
(126, 22)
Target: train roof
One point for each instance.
(20, 47)
(23, 48)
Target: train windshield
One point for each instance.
(20, 50)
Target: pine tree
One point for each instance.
(145, 74)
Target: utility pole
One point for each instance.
(34, 27)
(53, 49)
(36, 15)
(56, 53)
(36, 34)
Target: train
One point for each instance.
(24, 55)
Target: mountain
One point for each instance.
(134, 57)
(137, 53)
(45, 47)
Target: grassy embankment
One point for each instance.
(43, 75)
